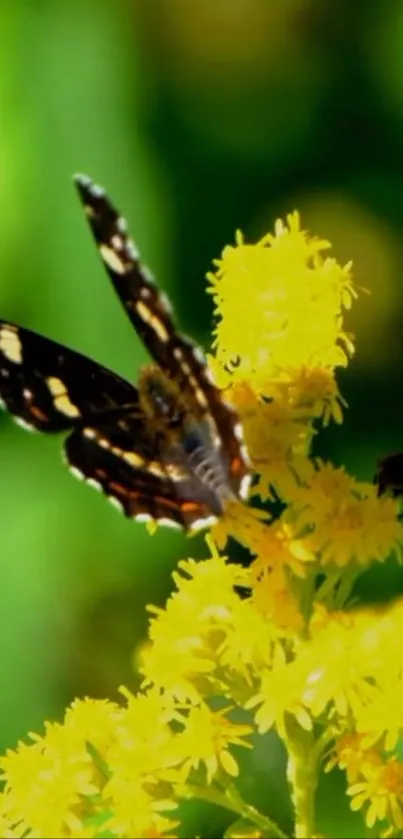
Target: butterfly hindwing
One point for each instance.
(117, 457)
(51, 387)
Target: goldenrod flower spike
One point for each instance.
(239, 651)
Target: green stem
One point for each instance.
(268, 827)
(347, 581)
(230, 799)
(302, 775)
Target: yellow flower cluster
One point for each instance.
(291, 654)
(112, 768)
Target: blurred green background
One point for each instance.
(199, 116)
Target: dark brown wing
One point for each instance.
(389, 474)
(150, 314)
(52, 388)
(116, 457)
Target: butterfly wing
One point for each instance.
(150, 314)
(389, 475)
(116, 457)
(51, 388)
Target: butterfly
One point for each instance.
(389, 475)
(169, 450)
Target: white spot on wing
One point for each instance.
(199, 355)
(10, 344)
(132, 250)
(208, 521)
(24, 424)
(117, 242)
(96, 190)
(61, 399)
(147, 275)
(245, 456)
(244, 487)
(89, 433)
(143, 517)
(165, 302)
(77, 473)
(112, 260)
(170, 523)
(185, 368)
(146, 315)
(93, 483)
(81, 179)
(56, 386)
(121, 225)
(116, 503)
(209, 376)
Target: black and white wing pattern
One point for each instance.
(151, 315)
(49, 387)
(117, 458)
(169, 450)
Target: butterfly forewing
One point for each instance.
(169, 451)
(52, 387)
(150, 313)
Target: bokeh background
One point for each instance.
(200, 117)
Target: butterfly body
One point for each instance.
(170, 449)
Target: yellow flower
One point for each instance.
(280, 693)
(276, 438)
(135, 811)
(349, 753)
(48, 782)
(272, 597)
(185, 635)
(338, 668)
(347, 521)
(283, 550)
(274, 637)
(312, 391)
(144, 741)
(93, 720)
(381, 791)
(206, 739)
(269, 333)
(7, 829)
(246, 646)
